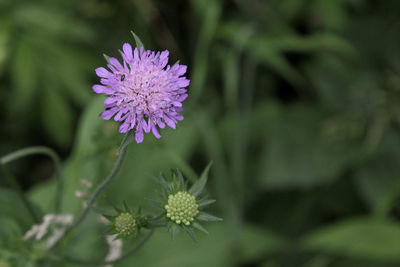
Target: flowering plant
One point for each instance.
(145, 94)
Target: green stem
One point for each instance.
(13, 183)
(127, 254)
(45, 151)
(100, 187)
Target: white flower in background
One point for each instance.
(115, 248)
(53, 224)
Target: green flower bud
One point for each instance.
(182, 208)
(125, 224)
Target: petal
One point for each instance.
(135, 54)
(154, 130)
(177, 104)
(110, 100)
(146, 125)
(106, 81)
(139, 136)
(118, 117)
(160, 124)
(164, 58)
(183, 82)
(181, 70)
(127, 49)
(178, 117)
(182, 97)
(116, 63)
(100, 89)
(124, 127)
(164, 55)
(103, 73)
(169, 122)
(108, 113)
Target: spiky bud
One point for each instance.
(182, 207)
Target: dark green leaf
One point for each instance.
(361, 238)
(199, 185)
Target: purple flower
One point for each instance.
(144, 93)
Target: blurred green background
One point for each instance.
(296, 102)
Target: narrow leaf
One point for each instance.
(199, 227)
(181, 180)
(203, 216)
(139, 43)
(198, 186)
(164, 183)
(190, 233)
(206, 202)
(126, 206)
(107, 58)
(173, 230)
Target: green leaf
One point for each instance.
(24, 76)
(189, 232)
(181, 180)
(57, 116)
(378, 179)
(139, 43)
(303, 147)
(200, 227)
(213, 249)
(203, 216)
(361, 238)
(12, 207)
(206, 202)
(173, 230)
(199, 185)
(107, 58)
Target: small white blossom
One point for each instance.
(54, 224)
(115, 248)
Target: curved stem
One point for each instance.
(130, 252)
(100, 187)
(45, 151)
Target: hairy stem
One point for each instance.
(34, 150)
(117, 166)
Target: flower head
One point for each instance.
(125, 224)
(182, 207)
(144, 93)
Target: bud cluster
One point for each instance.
(182, 208)
(125, 224)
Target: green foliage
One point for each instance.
(365, 238)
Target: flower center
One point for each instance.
(182, 208)
(125, 224)
(144, 91)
